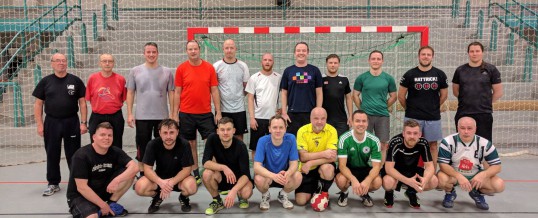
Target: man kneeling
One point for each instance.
(100, 175)
(401, 166)
(226, 168)
(275, 163)
(460, 161)
(173, 159)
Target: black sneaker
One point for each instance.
(389, 199)
(367, 200)
(413, 199)
(342, 199)
(185, 204)
(155, 204)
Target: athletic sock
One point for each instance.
(217, 198)
(141, 174)
(325, 185)
(196, 173)
(183, 197)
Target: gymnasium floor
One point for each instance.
(21, 187)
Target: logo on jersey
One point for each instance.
(70, 89)
(366, 150)
(465, 165)
(427, 86)
(104, 93)
(301, 78)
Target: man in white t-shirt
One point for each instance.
(233, 75)
(262, 91)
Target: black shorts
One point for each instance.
(240, 121)
(360, 173)
(406, 173)
(225, 186)
(341, 127)
(80, 207)
(176, 188)
(144, 128)
(255, 135)
(189, 123)
(297, 121)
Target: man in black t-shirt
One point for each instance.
(226, 168)
(477, 85)
(401, 166)
(100, 175)
(336, 91)
(426, 89)
(60, 94)
(172, 158)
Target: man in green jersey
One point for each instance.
(359, 161)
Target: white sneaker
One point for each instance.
(264, 204)
(286, 203)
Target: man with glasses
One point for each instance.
(106, 92)
(60, 94)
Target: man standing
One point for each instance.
(233, 76)
(276, 162)
(262, 89)
(374, 86)
(196, 84)
(336, 91)
(106, 92)
(316, 143)
(61, 94)
(100, 175)
(359, 161)
(477, 85)
(153, 85)
(460, 159)
(405, 150)
(172, 158)
(226, 168)
(426, 89)
(301, 87)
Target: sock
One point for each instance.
(196, 173)
(325, 185)
(451, 190)
(217, 198)
(183, 198)
(141, 174)
(111, 201)
(389, 192)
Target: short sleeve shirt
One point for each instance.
(106, 94)
(60, 95)
(423, 93)
(234, 157)
(195, 83)
(168, 162)
(335, 90)
(312, 142)
(276, 158)
(406, 159)
(374, 92)
(301, 84)
(231, 77)
(265, 90)
(475, 88)
(359, 154)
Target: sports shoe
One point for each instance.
(479, 200)
(185, 204)
(413, 199)
(50, 190)
(243, 203)
(367, 200)
(214, 207)
(342, 199)
(198, 180)
(448, 201)
(264, 204)
(118, 209)
(155, 204)
(225, 192)
(389, 199)
(286, 203)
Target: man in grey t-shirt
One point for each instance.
(153, 86)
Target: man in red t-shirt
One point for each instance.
(196, 83)
(106, 92)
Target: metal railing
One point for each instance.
(522, 19)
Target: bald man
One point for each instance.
(233, 76)
(61, 94)
(316, 143)
(461, 158)
(106, 93)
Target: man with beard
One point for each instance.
(401, 168)
(426, 89)
(336, 91)
(262, 89)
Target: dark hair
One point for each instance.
(168, 123)
(302, 43)
(276, 117)
(473, 44)
(332, 56)
(359, 112)
(411, 123)
(375, 51)
(103, 125)
(194, 40)
(151, 44)
(426, 47)
(225, 120)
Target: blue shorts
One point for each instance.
(431, 129)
